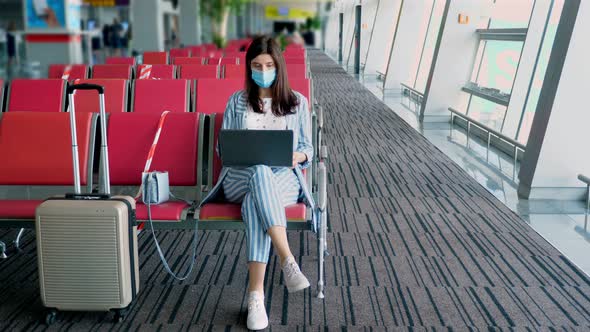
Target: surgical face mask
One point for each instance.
(264, 79)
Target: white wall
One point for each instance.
(526, 67)
(347, 49)
(148, 25)
(190, 22)
(368, 11)
(408, 43)
(557, 154)
(385, 25)
(454, 59)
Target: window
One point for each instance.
(511, 14)
(427, 52)
(541, 67)
(498, 61)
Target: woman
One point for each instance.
(267, 103)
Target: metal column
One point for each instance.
(340, 36)
(357, 40)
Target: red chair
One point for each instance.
(234, 71)
(214, 60)
(120, 60)
(43, 160)
(49, 95)
(76, 71)
(295, 60)
(193, 72)
(303, 86)
(156, 96)
(196, 51)
(229, 61)
(179, 52)
(130, 137)
(211, 98)
(296, 71)
(112, 71)
(155, 58)
(156, 72)
(116, 93)
(189, 61)
(2, 90)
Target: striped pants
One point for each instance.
(264, 192)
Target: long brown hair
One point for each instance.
(283, 99)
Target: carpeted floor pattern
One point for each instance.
(415, 244)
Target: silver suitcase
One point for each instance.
(87, 243)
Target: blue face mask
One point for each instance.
(264, 79)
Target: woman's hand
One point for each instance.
(298, 158)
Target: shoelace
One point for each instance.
(253, 304)
(291, 269)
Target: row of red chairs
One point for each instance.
(185, 71)
(44, 159)
(294, 55)
(138, 96)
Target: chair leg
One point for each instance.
(322, 195)
(3, 250)
(18, 237)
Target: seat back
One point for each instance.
(214, 60)
(234, 71)
(189, 61)
(116, 93)
(229, 61)
(296, 70)
(2, 91)
(295, 60)
(196, 51)
(44, 158)
(112, 71)
(155, 58)
(120, 60)
(179, 52)
(303, 86)
(198, 71)
(294, 51)
(156, 72)
(130, 136)
(156, 96)
(49, 95)
(211, 98)
(76, 71)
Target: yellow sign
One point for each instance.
(281, 13)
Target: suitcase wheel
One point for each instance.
(50, 317)
(120, 315)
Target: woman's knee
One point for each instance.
(260, 173)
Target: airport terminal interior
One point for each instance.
(445, 186)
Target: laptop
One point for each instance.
(245, 148)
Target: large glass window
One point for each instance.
(511, 14)
(498, 61)
(541, 68)
(427, 53)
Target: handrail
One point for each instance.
(488, 129)
(584, 179)
(412, 89)
(491, 132)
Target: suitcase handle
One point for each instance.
(87, 196)
(85, 86)
(103, 129)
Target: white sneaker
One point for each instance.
(294, 279)
(257, 318)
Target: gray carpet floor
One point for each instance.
(415, 244)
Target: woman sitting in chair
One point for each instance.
(267, 103)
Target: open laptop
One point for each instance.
(244, 148)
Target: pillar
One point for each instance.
(190, 22)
